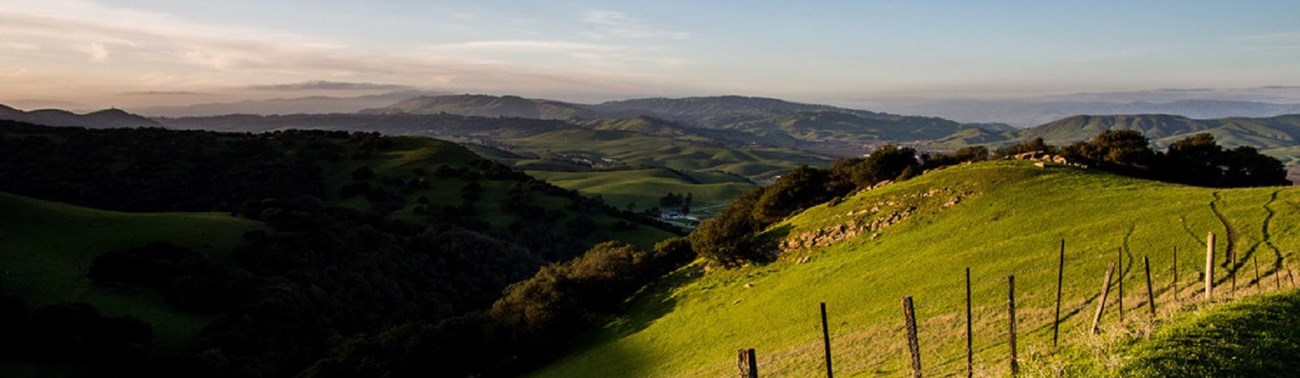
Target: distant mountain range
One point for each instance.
(725, 121)
(103, 119)
(765, 120)
(1262, 133)
(296, 105)
(1023, 113)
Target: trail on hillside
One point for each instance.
(1182, 219)
(1230, 234)
(1268, 235)
(1127, 266)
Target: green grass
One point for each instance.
(1255, 337)
(1009, 221)
(46, 249)
(658, 151)
(406, 154)
(721, 173)
(644, 187)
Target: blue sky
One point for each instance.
(99, 52)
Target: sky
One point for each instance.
(100, 53)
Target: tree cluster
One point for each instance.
(1195, 160)
(530, 324)
(163, 170)
(728, 239)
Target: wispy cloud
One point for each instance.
(321, 85)
(1289, 40)
(608, 24)
(96, 52)
(148, 45)
(163, 93)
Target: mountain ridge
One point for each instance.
(101, 119)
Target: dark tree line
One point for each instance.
(164, 170)
(1195, 160)
(532, 323)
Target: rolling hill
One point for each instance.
(362, 233)
(766, 120)
(103, 119)
(486, 106)
(1262, 133)
(914, 238)
(592, 147)
(46, 249)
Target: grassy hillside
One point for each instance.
(1256, 337)
(639, 149)
(644, 187)
(401, 160)
(46, 249)
(916, 238)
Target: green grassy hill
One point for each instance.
(916, 238)
(637, 161)
(644, 187)
(398, 162)
(1255, 337)
(46, 249)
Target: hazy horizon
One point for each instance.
(95, 54)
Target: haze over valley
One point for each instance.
(648, 189)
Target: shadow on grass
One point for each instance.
(1256, 337)
(651, 303)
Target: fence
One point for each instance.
(747, 361)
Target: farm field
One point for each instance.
(998, 219)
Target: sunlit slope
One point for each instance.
(644, 187)
(1008, 218)
(46, 249)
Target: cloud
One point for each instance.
(163, 93)
(191, 53)
(1269, 41)
(329, 86)
(97, 53)
(20, 46)
(526, 45)
(607, 24)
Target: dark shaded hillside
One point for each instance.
(156, 169)
(366, 232)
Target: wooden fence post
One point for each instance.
(1289, 275)
(1174, 284)
(970, 352)
(826, 340)
(1209, 267)
(1257, 281)
(1105, 290)
(1151, 295)
(1119, 283)
(1060, 277)
(913, 344)
(1011, 311)
(1277, 274)
(747, 363)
